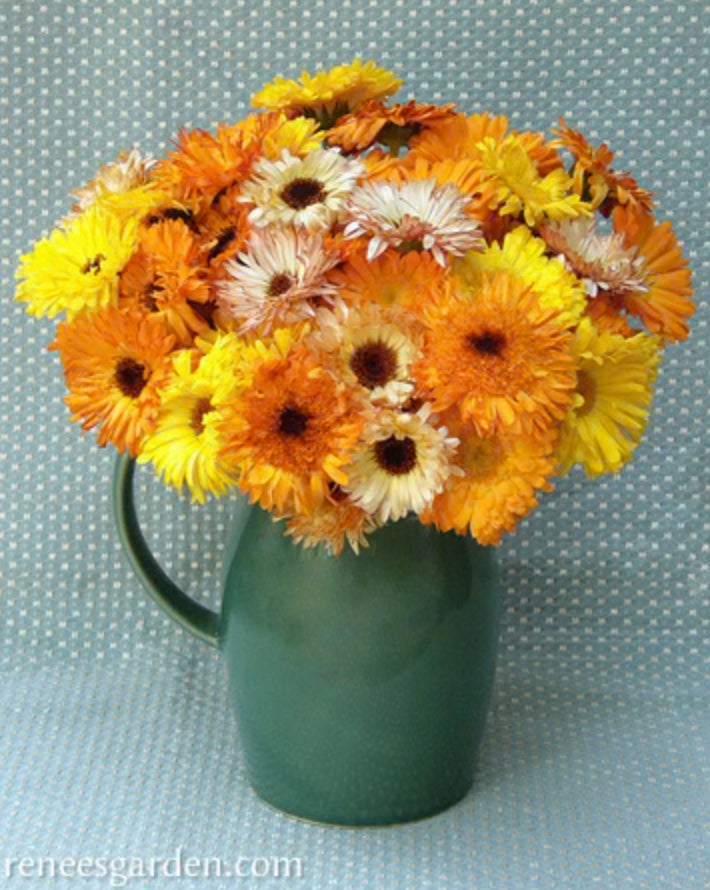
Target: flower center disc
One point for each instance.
(130, 377)
(396, 456)
(292, 422)
(373, 364)
(587, 388)
(93, 265)
(204, 406)
(148, 298)
(300, 193)
(487, 343)
(279, 284)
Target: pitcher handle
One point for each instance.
(198, 619)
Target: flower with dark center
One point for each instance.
(501, 358)
(403, 465)
(614, 388)
(277, 279)
(307, 192)
(115, 362)
(369, 346)
(291, 430)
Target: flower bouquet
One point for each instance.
(354, 311)
(351, 310)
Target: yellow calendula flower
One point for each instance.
(521, 190)
(242, 364)
(138, 202)
(328, 95)
(77, 269)
(298, 136)
(186, 445)
(615, 378)
(522, 256)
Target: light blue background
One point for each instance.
(114, 735)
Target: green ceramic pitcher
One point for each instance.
(361, 683)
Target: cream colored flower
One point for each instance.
(602, 262)
(403, 464)
(412, 215)
(277, 279)
(366, 346)
(305, 192)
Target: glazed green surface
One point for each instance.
(361, 683)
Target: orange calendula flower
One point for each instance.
(593, 174)
(459, 137)
(115, 364)
(501, 476)
(205, 164)
(290, 433)
(393, 279)
(164, 277)
(392, 126)
(665, 306)
(499, 356)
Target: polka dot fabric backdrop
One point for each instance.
(115, 739)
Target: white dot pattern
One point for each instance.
(115, 737)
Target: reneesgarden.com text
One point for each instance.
(119, 871)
